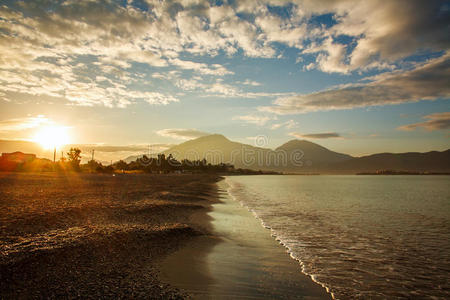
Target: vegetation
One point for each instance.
(74, 156)
(145, 164)
(163, 164)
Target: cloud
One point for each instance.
(326, 135)
(381, 32)
(250, 82)
(19, 124)
(216, 88)
(427, 82)
(202, 68)
(255, 119)
(331, 57)
(436, 121)
(288, 124)
(110, 148)
(182, 134)
(59, 48)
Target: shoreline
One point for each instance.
(289, 251)
(240, 259)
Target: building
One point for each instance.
(18, 157)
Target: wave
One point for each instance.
(238, 197)
(358, 237)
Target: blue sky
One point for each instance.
(356, 76)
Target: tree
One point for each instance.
(74, 156)
(93, 165)
(120, 165)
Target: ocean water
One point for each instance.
(368, 237)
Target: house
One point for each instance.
(18, 157)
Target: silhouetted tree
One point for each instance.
(93, 165)
(74, 156)
(120, 165)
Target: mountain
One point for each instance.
(433, 161)
(313, 155)
(293, 156)
(300, 156)
(216, 149)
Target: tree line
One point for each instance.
(160, 164)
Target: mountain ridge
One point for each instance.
(311, 157)
(300, 156)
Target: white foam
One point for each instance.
(277, 237)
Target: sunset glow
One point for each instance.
(358, 77)
(50, 137)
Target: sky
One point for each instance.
(358, 77)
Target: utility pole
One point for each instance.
(54, 154)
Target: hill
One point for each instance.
(300, 156)
(313, 155)
(433, 161)
(217, 149)
(295, 155)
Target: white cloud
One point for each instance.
(182, 134)
(250, 82)
(330, 58)
(288, 124)
(19, 124)
(324, 135)
(202, 68)
(255, 119)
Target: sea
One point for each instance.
(367, 237)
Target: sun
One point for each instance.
(50, 137)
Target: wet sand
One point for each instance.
(239, 260)
(96, 236)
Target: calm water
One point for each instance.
(360, 236)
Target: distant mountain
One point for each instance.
(293, 156)
(314, 155)
(433, 161)
(300, 156)
(216, 149)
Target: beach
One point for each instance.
(138, 236)
(90, 235)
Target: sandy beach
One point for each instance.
(91, 236)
